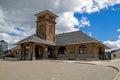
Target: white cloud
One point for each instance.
(66, 22)
(119, 36)
(113, 44)
(7, 28)
(84, 22)
(118, 30)
(90, 34)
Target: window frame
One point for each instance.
(82, 49)
(49, 29)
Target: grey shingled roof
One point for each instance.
(36, 39)
(76, 37)
(73, 38)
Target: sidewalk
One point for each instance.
(112, 63)
(115, 63)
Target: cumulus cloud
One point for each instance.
(90, 34)
(19, 14)
(84, 22)
(119, 36)
(9, 31)
(66, 22)
(113, 44)
(118, 30)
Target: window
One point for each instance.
(50, 29)
(61, 50)
(51, 18)
(83, 49)
(42, 30)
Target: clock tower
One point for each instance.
(45, 25)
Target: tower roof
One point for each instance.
(46, 11)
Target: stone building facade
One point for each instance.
(45, 44)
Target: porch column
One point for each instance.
(55, 52)
(45, 54)
(31, 51)
(21, 52)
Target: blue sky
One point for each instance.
(103, 24)
(97, 18)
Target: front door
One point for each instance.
(101, 54)
(38, 52)
(50, 53)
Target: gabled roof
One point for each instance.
(36, 39)
(76, 37)
(73, 38)
(46, 11)
(15, 48)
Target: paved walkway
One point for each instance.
(54, 70)
(115, 63)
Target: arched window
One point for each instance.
(61, 50)
(83, 49)
(26, 52)
(26, 49)
(38, 52)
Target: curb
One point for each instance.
(117, 77)
(118, 74)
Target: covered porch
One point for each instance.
(34, 47)
(36, 51)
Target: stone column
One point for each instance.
(21, 52)
(33, 52)
(45, 55)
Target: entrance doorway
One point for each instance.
(50, 53)
(38, 52)
(26, 53)
(61, 50)
(101, 54)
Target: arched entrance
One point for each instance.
(61, 50)
(50, 53)
(101, 54)
(38, 52)
(26, 53)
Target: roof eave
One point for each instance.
(46, 11)
(75, 43)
